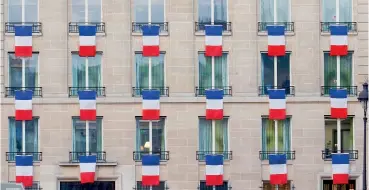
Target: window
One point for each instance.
(267, 10)
(268, 186)
(142, 8)
(220, 11)
(162, 186)
(94, 11)
(30, 10)
(268, 137)
(15, 137)
(15, 71)
(329, 10)
(328, 185)
(206, 139)
(76, 185)
(220, 187)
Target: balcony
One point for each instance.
(36, 26)
(100, 26)
(324, 26)
(73, 91)
(288, 26)
(224, 186)
(264, 90)
(137, 26)
(200, 91)
(10, 156)
(351, 90)
(200, 155)
(327, 154)
(200, 26)
(10, 91)
(74, 156)
(264, 155)
(162, 186)
(35, 186)
(137, 91)
(137, 155)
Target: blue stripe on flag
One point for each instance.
(23, 94)
(277, 159)
(214, 160)
(23, 160)
(338, 30)
(150, 30)
(151, 94)
(338, 158)
(338, 93)
(213, 30)
(88, 30)
(87, 95)
(215, 94)
(150, 160)
(277, 93)
(23, 30)
(275, 30)
(87, 159)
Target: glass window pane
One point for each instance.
(330, 70)
(142, 135)
(79, 135)
(346, 70)
(32, 71)
(267, 70)
(283, 71)
(94, 10)
(15, 135)
(221, 70)
(15, 71)
(283, 11)
(267, 10)
(329, 11)
(15, 11)
(345, 10)
(204, 11)
(78, 71)
(158, 71)
(157, 11)
(220, 10)
(204, 71)
(141, 10)
(78, 11)
(142, 71)
(94, 71)
(31, 11)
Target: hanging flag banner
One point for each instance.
(87, 104)
(23, 105)
(23, 41)
(338, 103)
(278, 169)
(150, 170)
(339, 40)
(87, 40)
(213, 40)
(214, 104)
(150, 40)
(24, 170)
(150, 104)
(277, 104)
(87, 167)
(276, 40)
(340, 168)
(214, 170)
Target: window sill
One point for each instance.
(67, 164)
(140, 34)
(202, 33)
(328, 33)
(265, 33)
(77, 34)
(13, 34)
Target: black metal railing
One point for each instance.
(264, 90)
(224, 186)
(73, 91)
(324, 26)
(200, 26)
(327, 154)
(200, 155)
(264, 155)
(137, 155)
(36, 26)
(162, 186)
(351, 90)
(288, 26)
(200, 91)
(10, 91)
(35, 186)
(10, 156)
(73, 26)
(74, 156)
(137, 91)
(137, 26)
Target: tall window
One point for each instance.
(79, 71)
(330, 70)
(331, 135)
(30, 10)
(15, 71)
(142, 71)
(328, 185)
(267, 10)
(220, 11)
(142, 13)
(329, 10)
(15, 137)
(268, 186)
(93, 7)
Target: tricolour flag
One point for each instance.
(87, 104)
(87, 167)
(276, 41)
(150, 170)
(340, 168)
(214, 104)
(278, 169)
(213, 40)
(339, 42)
(23, 105)
(87, 40)
(23, 41)
(214, 170)
(150, 40)
(277, 104)
(24, 170)
(338, 103)
(150, 104)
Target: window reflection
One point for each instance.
(94, 11)
(157, 11)
(15, 11)
(220, 11)
(15, 71)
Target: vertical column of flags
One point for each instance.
(87, 104)
(277, 104)
(339, 41)
(23, 105)
(278, 169)
(150, 170)
(87, 167)
(150, 105)
(24, 170)
(340, 168)
(338, 103)
(150, 40)
(276, 40)
(23, 41)
(214, 170)
(213, 40)
(87, 40)
(214, 104)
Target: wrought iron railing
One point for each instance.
(324, 26)
(73, 26)
(74, 156)
(73, 91)
(264, 90)
(137, 91)
(264, 155)
(200, 26)
(137, 155)
(10, 156)
(137, 26)
(200, 155)
(10, 91)
(327, 154)
(36, 26)
(351, 90)
(200, 91)
(288, 26)
(224, 186)
(35, 186)
(162, 186)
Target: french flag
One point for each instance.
(214, 104)
(87, 104)
(340, 168)
(214, 170)
(150, 105)
(278, 169)
(24, 170)
(213, 40)
(150, 40)
(150, 170)
(87, 40)
(87, 167)
(339, 42)
(276, 41)
(338, 103)
(23, 41)
(23, 105)
(277, 104)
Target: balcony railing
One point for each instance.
(200, 26)
(137, 155)
(264, 155)
(324, 26)
(73, 26)
(200, 155)
(35, 186)
(137, 91)
(200, 91)
(327, 154)
(137, 26)
(264, 90)
(10, 91)
(36, 26)
(224, 186)
(10, 156)
(351, 90)
(288, 26)
(153, 188)
(73, 91)
(74, 156)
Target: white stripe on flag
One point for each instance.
(87, 104)
(150, 40)
(339, 40)
(340, 168)
(278, 169)
(150, 104)
(23, 41)
(276, 40)
(23, 104)
(213, 40)
(87, 40)
(277, 103)
(214, 104)
(339, 102)
(214, 170)
(87, 167)
(150, 170)
(24, 170)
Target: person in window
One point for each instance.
(286, 85)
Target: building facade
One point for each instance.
(56, 137)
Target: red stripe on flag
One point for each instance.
(150, 180)
(277, 114)
(27, 181)
(23, 51)
(216, 51)
(339, 113)
(278, 179)
(214, 114)
(150, 51)
(87, 51)
(89, 115)
(21, 115)
(212, 180)
(340, 178)
(150, 114)
(87, 177)
(276, 50)
(339, 50)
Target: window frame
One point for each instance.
(352, 67)
(352, 117)
(268, 182)
(139, 119)
(134, 11)
(289, 9)
(38, 132)
(139, 185)
(198, 7)
(102, 131)
(337, 1)
(101, 67)
(262, 68)
(225, 183)
(290, 131)
(23, 5)
(38, 67)
(101, 10)
(198, 66)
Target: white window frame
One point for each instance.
(289, 9)
(23, 5)
(102, 130)
(337, 1)
(134, 7)
(290, 131)
(353, 130)
(38, 68)
(228, 133)
(197, 9)
(352, 67)
(276, 74)
(101, 9)
(198, 67)
(101, 66)
(164, 129)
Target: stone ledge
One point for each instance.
(68, 164)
